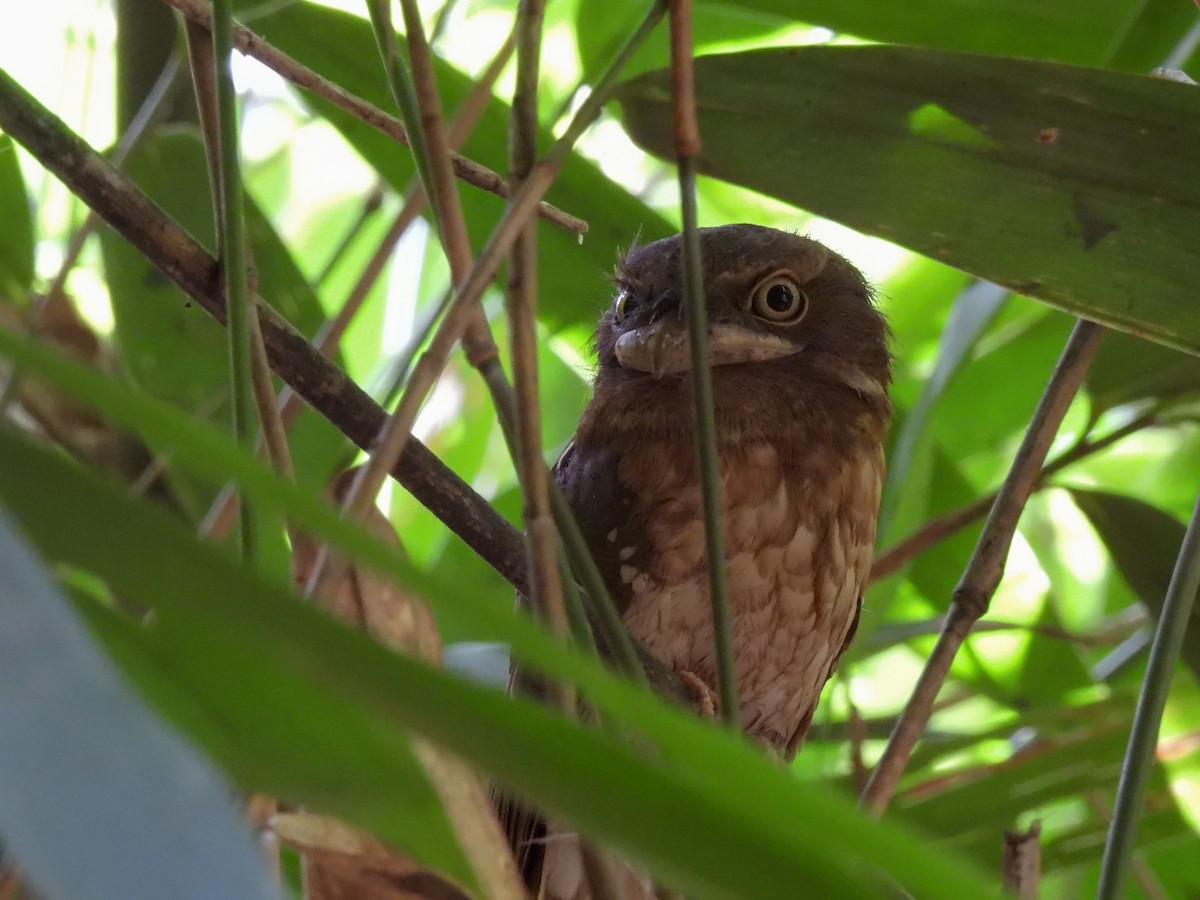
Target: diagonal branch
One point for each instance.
(983, 573)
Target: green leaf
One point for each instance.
(100, 799)
(601, 25)
(571, 275)
(1073, 31)
(993, 398)
(743, 833)
(16, 249)
(1144, 542)
(1127, 369)
(169, 347)
(1072, 185)
(1082, 752)
(174, 350)
(246, 649)
(971, 314)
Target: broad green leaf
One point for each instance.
(1073, 31)
(168, 346)
(601, 26)
(747, 831)
(1144, 542)
(1072, 185)
(16, 249)
(571, 275)
(97, 797)
(223, 632)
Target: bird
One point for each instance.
(800, 368)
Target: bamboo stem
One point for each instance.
(1147, 718)
(232, 254)
(687, 148)
(521, 298)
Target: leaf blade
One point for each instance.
(1019, 171)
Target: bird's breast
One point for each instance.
(798, 546)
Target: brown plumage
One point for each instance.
(800, 430)
(800, 370)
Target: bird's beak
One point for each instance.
(664, 349)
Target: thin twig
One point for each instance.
(1023, 862)
(201, 59)
(687, 148)
(541, 537)
(942, 527)
(1147, 718)
(420, 106)
(232, 253)
(983, 572)
(254, 46)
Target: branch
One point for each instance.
(974, 591)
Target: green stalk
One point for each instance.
(232, 231)
(687, 149)
(1143, 738)
(404, 94)
(706, 447)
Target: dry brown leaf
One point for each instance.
(400, 621)
(343, 863)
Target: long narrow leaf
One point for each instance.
(781, 829)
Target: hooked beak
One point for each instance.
(664, 349)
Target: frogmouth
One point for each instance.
(800, 371)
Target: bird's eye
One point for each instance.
(624, 304)
(779, 300)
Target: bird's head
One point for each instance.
(780, 307)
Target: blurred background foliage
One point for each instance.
(1032, 724)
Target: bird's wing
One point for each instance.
(797, 739)
(589, 480)
(591, 483)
